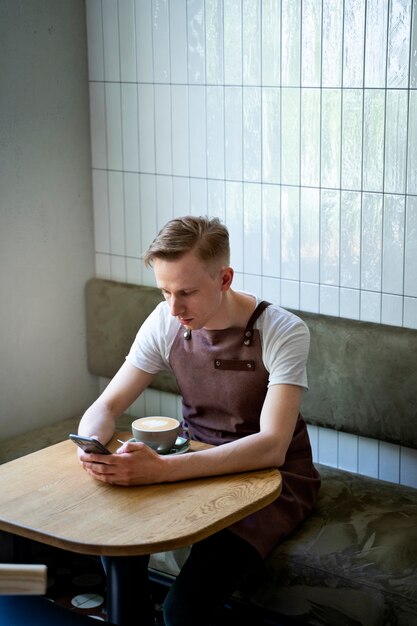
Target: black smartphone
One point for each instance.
(89, 444)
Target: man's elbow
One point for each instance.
(274, 457)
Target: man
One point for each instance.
(241, 368)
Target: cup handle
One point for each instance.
(185, 432)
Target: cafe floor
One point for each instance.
(78, 583)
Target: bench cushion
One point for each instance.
(362, 378)
(115, 312)
(353, 562)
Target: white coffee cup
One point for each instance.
(156, 431)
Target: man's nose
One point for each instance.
(176, 306)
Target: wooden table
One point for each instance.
(47, 497)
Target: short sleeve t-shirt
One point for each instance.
(285, 341)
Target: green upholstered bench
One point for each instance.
(354, 561)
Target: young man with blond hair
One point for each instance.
(240, 364)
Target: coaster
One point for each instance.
(87, 601)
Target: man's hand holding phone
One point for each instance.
(89, 444)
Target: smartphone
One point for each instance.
(89, 444)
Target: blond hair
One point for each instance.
(207, 237)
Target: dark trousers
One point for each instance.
(216, 567)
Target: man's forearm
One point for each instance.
(97, 421)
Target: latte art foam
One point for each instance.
(155, 423)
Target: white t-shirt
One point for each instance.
(285, 341)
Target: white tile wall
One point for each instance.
(296, 123)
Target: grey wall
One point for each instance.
(46, 223)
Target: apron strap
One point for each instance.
(247, 337)
(249, 326)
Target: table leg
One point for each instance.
(128, 591)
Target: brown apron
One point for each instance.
(223, 383)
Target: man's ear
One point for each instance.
(227, 278)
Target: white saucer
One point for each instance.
(182, 445)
